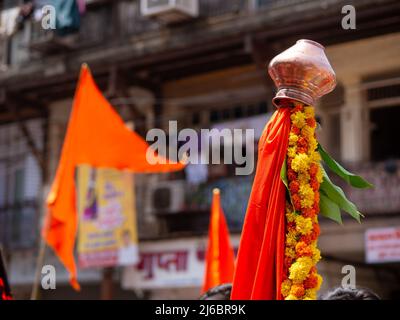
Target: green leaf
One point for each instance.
(285, 180)
(336, 194)
(352, 179)
(284, 174)
(329, 209)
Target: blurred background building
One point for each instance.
(202, 63)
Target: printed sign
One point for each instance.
(107, 218)
(382, 245)
(169, 264)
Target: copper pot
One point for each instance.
(302, 73)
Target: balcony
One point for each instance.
(115, 23)
(384, 198)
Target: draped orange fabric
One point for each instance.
(220, 258)
(96, 135)
(259, 265)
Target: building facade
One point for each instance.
(203, 67)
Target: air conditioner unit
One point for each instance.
(167, 197)
(170, 11)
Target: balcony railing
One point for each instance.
(114, 22)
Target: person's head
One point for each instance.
(221, 292)
(341, 293)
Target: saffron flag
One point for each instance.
(259, 265)
(96, 136)
(220, 258)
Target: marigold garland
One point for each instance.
(301, 280)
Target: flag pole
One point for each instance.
(41, 256)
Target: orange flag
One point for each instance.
(220, 258)
(259, 265)
(96, 135)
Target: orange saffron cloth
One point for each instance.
(259, 265)
(97, 136)
(220, 257)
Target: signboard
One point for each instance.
(169, 264)
(107, 218)
(382, 245)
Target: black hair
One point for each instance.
(341, 293)
(223, 291)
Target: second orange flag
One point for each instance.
(220, 258)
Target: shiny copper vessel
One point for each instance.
(302, 73)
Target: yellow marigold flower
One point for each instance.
(303, 225)
(306, 192)
(307, 203)
(312, 146)
(319, 176)
(301, 162)
(316, 253)
(285, 287)
(291, 152)
(291, 297)
(290, 216)
(310, 294)
(315, 157)
(293, 138)
(298, 119)
(299, 270)
(308, 132)
(290, 253)
(303, 178)
(309, 112)
(291, 239)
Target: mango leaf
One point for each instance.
(329, 209)
(336, 194)
(284, 174)
(351, 178)
(285, 179)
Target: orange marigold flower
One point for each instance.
(306, 239)
(302, 249)
(301, 149)
(311, 122)
(314, 184)
(316, 206)
(297, 290)
(302, 142)
(294, 186)
(313, 170)
(296, 201)
(311, 281)
(313, 270)
(316, 197)
(316, 231)
(308, 212)
(295, 130)
(291, 174)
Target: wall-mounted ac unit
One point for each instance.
(170, 11)
(167, 197)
